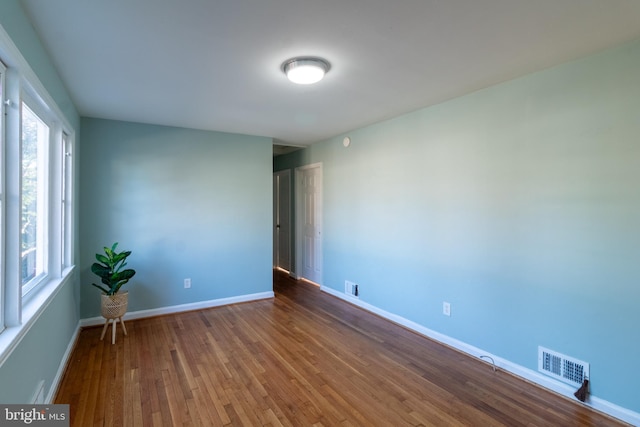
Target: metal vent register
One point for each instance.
(567, 369)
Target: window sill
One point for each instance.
(11, 336)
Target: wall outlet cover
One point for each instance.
(446, 309)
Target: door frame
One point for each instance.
(283, 174)
(299, 199)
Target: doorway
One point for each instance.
(282, 220)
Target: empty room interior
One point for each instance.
(445, 219)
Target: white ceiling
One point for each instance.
(215, 64)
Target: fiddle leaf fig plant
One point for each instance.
(110, 269)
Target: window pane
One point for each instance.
(34, 137)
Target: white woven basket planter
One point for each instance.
(113, 307)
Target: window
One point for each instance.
(33, 209)
(36, 203)
(2, 194)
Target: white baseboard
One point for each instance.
(92, 321)
(63, 364)
(528, 374)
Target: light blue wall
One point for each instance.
(40, 353)
(518, 204)
(188, 203)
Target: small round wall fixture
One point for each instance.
(346, 141)
(305, 70)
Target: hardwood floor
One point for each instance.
(304, 358)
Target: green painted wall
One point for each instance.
(188, 203)
(38, 357)
(518, 204)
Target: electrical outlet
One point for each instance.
(446, 308)
(187, 283)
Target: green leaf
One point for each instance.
(126, 274)
(103, 259)
(111, 270)
(100, 270)
(109, 252)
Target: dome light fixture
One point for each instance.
(305, 70)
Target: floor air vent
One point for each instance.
(567, 369)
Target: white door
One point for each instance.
(309, 220)
(282, 220)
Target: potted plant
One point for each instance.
(113, 275)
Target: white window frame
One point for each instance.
(66, 238)
(19, 312)
(3, 70)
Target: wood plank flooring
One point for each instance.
(304, 358)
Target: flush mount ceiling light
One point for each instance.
(305, 70)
